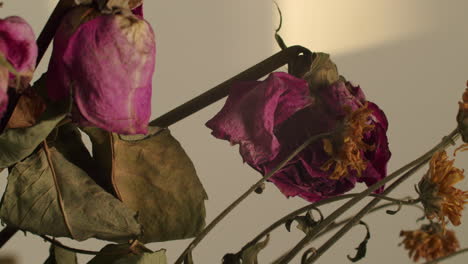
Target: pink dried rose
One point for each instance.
(18, 54)
(106, 61)
(271, 118)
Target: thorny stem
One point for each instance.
(226, 211)
(332, 217)
(321, 203)
(435, 261)
(222, 90)
(43, 42)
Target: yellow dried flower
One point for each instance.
(430, 242)
(349, 155)
(440, 199)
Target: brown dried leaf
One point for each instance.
(50, 193)
(323, 72)
(29, 108)
(134, 253)
(58, 255)
(153, 175)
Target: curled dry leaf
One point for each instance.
(153, 175)
(18, 143)
(50, 193)
(129, 254)
(29, 108)
(60, 255)
(250, 255)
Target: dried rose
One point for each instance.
(18, 54)
(106, 61)
(268, 129)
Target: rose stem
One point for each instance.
(321, 203)
(354, 220)
(435, 261)
(332, 217)
(43, 43)
(226, 211)
(222, 90)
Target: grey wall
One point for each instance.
(410, 57)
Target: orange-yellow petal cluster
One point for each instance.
(349, 155)
(440, 198)
(430, 242)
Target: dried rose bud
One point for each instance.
(430, 242)
(18, 54)
(18, 46)
(271, 118)
(106, 61)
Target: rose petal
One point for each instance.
(108, 62)
(252, 111)
(18, 45)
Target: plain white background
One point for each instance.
(410, 57)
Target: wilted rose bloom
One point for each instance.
(107, 63)
(17, 49)
(271, 118)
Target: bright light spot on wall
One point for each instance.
(337, 26)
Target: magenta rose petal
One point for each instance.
(108, 62)
(138, 11)
(252, 111)
(18, 45)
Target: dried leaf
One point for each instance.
(250, 255)
(128, 254)
(323, 72)
(60, 255)
(153, 175)
(305, 223)
(50, 193)
(362, 248)
(18, 143)
(29, 108)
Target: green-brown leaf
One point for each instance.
(250, 255)
(50, 193)
(152, 175)
(126, 254)
(59, 255)
(18, 143)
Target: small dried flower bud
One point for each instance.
(18, 54)
(462, 117)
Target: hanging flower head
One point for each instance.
(440, 199)
(18, 54)
(105, 59)
(430, 242)
(271, 118)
